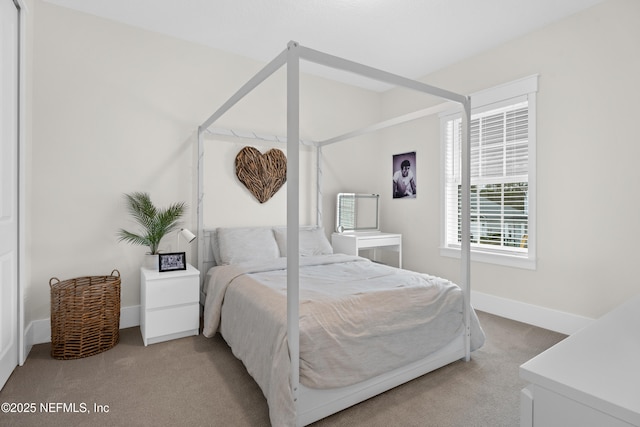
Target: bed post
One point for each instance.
(293, 213)
(466, 224)
(199, 201)
(319, 220)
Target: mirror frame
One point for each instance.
(340, 227)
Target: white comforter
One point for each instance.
(358, 319)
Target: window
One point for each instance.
(502, 132)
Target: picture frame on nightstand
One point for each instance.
(174, 261)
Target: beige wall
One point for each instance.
(587, 154)
(114, 109)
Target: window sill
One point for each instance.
(508, 260)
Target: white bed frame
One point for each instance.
(312, 404)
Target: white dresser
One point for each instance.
(351, 243)
(169, 304)
(591, 378)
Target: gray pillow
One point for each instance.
(246, 244)
(312, 241)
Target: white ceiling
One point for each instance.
(408, 37)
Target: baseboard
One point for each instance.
(39, 331)
(554, 320)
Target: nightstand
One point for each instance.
(169, 304)
(352, 243)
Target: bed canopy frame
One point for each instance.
(291, 57)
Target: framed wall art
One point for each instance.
(173, 261)
(404, 176)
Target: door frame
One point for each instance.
(13, 354)
(23, 350)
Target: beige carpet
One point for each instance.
(198, 382)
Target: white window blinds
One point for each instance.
(499, 179)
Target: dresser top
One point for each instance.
(598, 366)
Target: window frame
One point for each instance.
(511, 93)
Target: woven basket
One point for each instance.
(85, 315)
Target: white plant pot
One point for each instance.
(151, 262)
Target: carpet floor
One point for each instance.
(197, 381)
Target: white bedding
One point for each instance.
(358, 319)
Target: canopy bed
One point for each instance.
(288, 347)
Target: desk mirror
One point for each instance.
(357, 212)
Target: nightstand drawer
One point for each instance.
(178, 290)
(172, 320)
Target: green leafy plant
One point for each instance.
(155, 222)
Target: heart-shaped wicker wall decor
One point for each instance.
(262, 174)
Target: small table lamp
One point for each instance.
(186, 235)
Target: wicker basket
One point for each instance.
(85, 315)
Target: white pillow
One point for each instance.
(246, 244)
(312, 242)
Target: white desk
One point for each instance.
(591, 378)
(352, 243)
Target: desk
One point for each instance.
(590, 379)
(352, 243)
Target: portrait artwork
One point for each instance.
(404, 176)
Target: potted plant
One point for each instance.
(155, 223)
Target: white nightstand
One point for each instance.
(169, 304)
(352, 243)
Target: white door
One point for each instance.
(9, 58)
